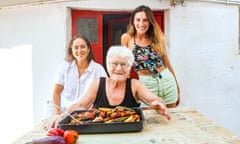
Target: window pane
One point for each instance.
(89, 28)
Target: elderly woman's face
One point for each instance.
(119, 68)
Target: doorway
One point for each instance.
(104, 28)
(114, 25)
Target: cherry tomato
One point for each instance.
(70, 136)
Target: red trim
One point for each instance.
(159, 16)
(98, 46)
(111, 23)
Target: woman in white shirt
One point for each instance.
(74, 75)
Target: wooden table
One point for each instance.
(187, 126)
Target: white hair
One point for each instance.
(119, 51)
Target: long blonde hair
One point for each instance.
(154, 32)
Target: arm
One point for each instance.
(56, 98)
(84, 103)
(125, 39)
(142, 93)
(166, 63)
(59, 87)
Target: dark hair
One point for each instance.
(69, 56)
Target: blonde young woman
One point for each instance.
(148, 44)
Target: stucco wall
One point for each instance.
(203, 52)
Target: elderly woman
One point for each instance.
(118, 89)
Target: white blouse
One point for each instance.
(74, 86)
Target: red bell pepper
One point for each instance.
(55, 132)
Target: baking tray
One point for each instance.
(95, 128)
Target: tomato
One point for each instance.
(70, 136)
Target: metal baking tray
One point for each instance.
(94, 128)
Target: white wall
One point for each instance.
(204, 47)
(44, 28)
(204, 52)
(15, 91)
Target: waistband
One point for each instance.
(147, 72)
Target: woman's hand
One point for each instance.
(161, 108)
(53, 122)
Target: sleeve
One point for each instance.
(59, 78)
(98, 70)
(102, 71)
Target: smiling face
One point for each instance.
(141, 22)
(119, 61)
(80, 50)
(118, 68)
